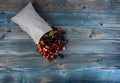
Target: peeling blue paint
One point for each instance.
(71, 19)
(4, 19)
(87, 60)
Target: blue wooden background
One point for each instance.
(92, 54)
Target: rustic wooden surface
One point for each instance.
(92, 54)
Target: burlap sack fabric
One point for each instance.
(29, 20)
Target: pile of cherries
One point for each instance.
(51, 43)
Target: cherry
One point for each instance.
(51, 43)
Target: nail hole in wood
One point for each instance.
(84, 7)
(64, 5)
(5, 62)
(60, 64)
(101, 24)
(63, 72)
(99, 60)
(2, 13)
(90, 36)
(46, 4)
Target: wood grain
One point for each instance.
(27, 46)
(93, 51)
(63, 5)
(82, 67)
(71, 76)
(71, 19)
(29, 63)
(72, 32)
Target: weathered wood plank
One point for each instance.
(63, 5)
(71, 19)
(67, 76)
(3, 19)
(36, 63)
(92, 53)
(18, 65)
(72, 32)
(82, 19)
(94, 69)
(27, 46)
